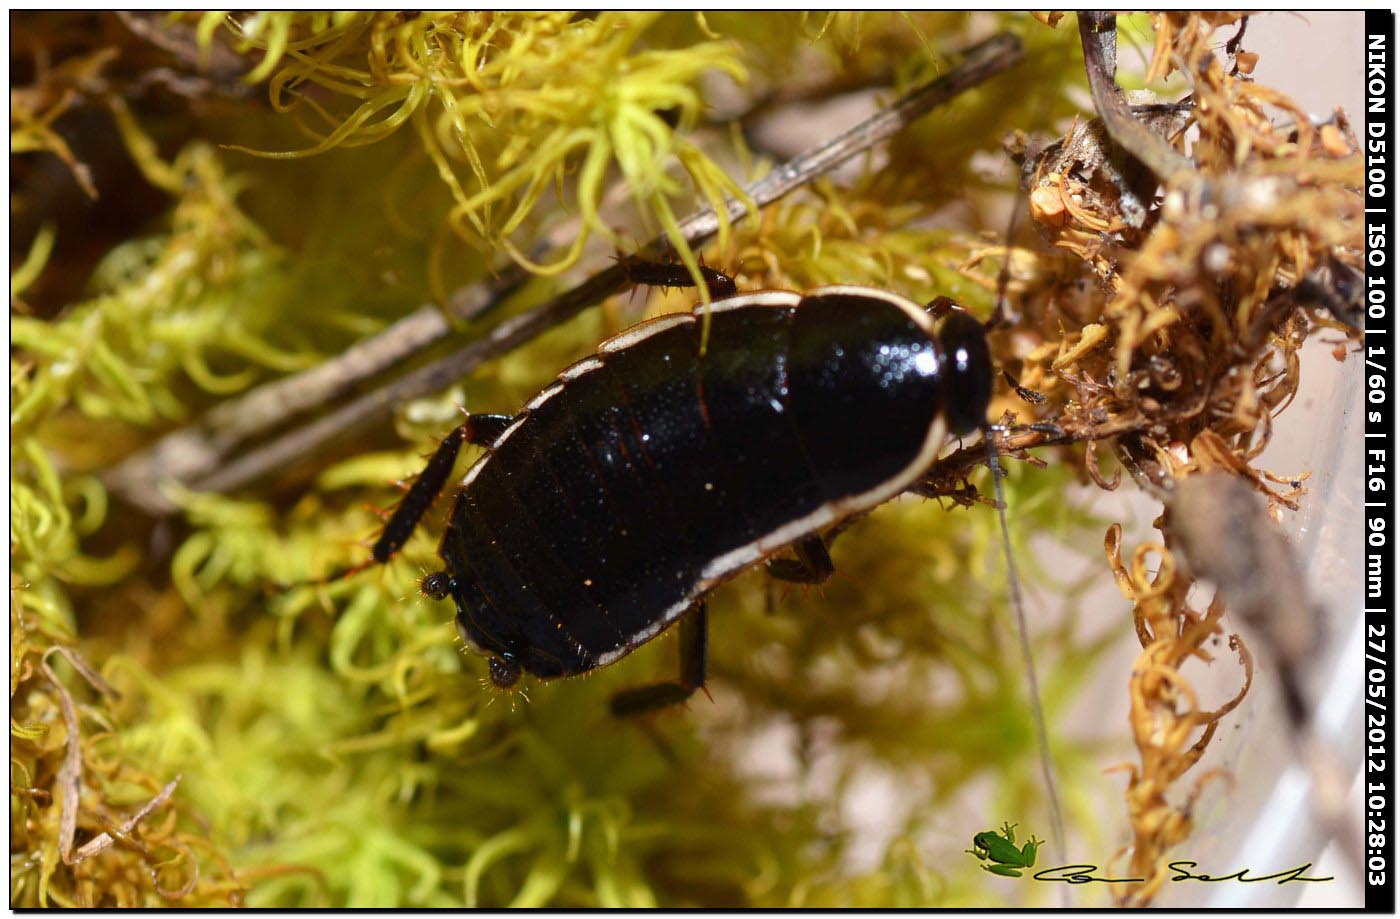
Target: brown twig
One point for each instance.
(199, 449)
(103, 841)
(140, 477)
(215, 67)
(70, 774)
(1098, 32)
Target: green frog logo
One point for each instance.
(999, 850)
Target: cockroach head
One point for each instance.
(966, 366)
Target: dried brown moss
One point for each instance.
(1165, 333)
(1173, 336)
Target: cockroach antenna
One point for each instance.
(1013, 585)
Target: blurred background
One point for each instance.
(336, 747)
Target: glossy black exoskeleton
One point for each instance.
(647, 474)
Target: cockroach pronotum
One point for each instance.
(647, 474)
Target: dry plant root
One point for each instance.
(1164, 327)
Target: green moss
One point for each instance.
(506, 105)
(336, 747)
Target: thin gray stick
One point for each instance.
(70, 774)
(198, 449)
(979, 63)
(103, 841)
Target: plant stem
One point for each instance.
(1098, 33)
(196, 456)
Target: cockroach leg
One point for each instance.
(673, 274)
(1029, 396)
(482, 430)
(420, 495)
(812, 565)
(694, 639)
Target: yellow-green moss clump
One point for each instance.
(306, 179)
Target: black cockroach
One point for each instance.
(647, 474)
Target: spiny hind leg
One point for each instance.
(812, 564)
(694, 640)
(480, 430)
(483, 428)
(655, 273)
